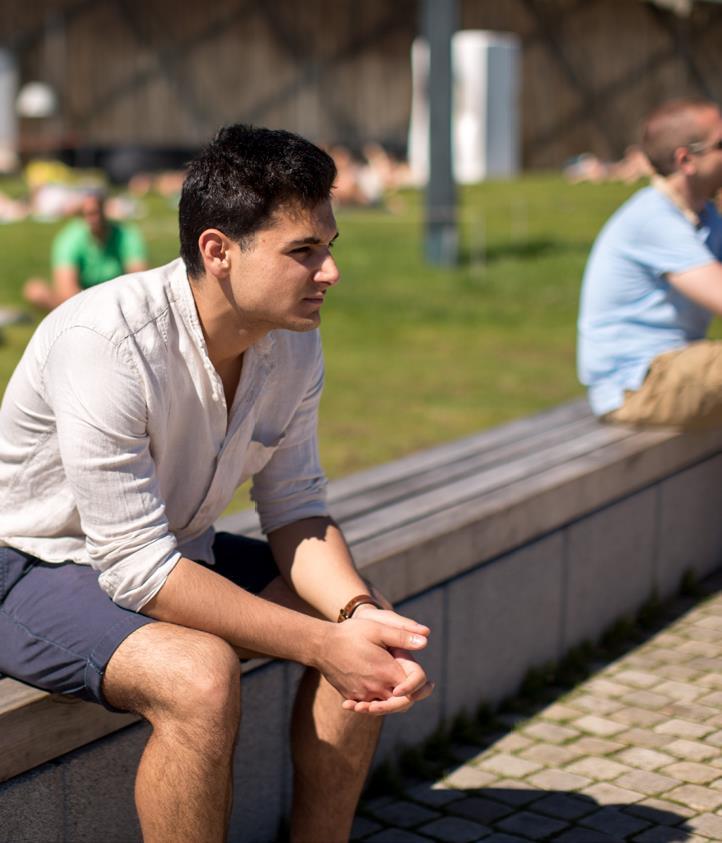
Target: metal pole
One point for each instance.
(442, 242)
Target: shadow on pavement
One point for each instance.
(515, 815)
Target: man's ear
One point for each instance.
(214, 247)
(682, 159)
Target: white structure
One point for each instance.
(8, 117)
(37, 100)
(486, 109)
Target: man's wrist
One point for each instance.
(355, 603)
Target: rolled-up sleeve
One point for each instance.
(292, 485)
(100, 408)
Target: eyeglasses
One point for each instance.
(701, 146)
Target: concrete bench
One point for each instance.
(514, 545)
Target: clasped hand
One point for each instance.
(370, 663)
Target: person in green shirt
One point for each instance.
(87, 251)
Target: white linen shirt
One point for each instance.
(116, 447)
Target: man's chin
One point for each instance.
(304, 323)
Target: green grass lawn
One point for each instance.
(417, 355)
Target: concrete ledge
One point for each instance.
(514, 545)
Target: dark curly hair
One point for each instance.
(241, 178)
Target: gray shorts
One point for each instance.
(58, 628)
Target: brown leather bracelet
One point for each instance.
(353, 604)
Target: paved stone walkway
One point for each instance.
(633, 753)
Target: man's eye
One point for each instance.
(301, 250)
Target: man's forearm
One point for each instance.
(195, 597)
(314, 558)
(353, 656)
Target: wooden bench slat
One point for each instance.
(420, 507)
(379, 497)
(16, 695)
(568, 489)
(393, 474)
(438, 455)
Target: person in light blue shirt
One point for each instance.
(653, 282)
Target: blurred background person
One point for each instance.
(653, 282)
(87, 251)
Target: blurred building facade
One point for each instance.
(138, 76)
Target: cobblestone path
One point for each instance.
(632, 753)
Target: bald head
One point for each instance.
(674, 124)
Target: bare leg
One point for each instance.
(332, 752)
(187, 685)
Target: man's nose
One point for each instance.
(328, 273)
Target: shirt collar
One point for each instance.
(182, 293)
(181, 287)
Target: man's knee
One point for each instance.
(163, 671)
(210, 681)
